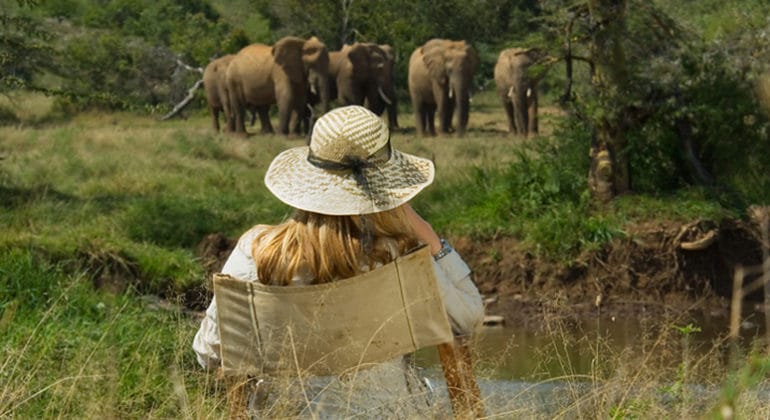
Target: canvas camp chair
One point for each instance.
(335, 327)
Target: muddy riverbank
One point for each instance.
(657, 267)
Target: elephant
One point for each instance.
(362, 74)
(319, 89)
(388, 99)
(440, 77)
(216, 90)
(215, 87)
(261, 75)
(517, 89)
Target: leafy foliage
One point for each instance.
(24, 49)
(688, 107)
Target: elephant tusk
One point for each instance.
(529, 92)
(313, 90)
(451, 93)
(510, 92)
(384, 96)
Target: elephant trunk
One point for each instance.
(518, 99)
(459, 90)
(324, 93)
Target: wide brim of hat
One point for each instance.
(296, 182)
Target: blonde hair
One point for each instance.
(328, 248)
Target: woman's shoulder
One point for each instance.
(256, 230)
(248, 237)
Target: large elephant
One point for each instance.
(517, 89)
(440, 77)
(214, 84)
(320, 88)
(363, 75)
(261, 75)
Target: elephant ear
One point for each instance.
(389, 52)
(434, 58)
(287, 53)
(473, 56)
(315, 55)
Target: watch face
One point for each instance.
(445, 249)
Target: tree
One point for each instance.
(24, 49)
(664, 107)
(609, 173)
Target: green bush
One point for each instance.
(717, 111)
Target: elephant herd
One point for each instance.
(299, 75)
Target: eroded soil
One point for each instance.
(658, 266)
(648, 270)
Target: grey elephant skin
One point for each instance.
(262, 75)
(362, 74)
(440, 77)
(214, 84)
(517, 90)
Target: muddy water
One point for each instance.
(540, 372)
(560, 348)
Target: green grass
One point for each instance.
(67, 350)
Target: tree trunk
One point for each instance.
(609, 174)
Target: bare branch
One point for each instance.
(188, 67)
(184, 102)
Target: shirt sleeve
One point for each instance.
(461, 297)
(240, 264)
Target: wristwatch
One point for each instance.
(445, 249)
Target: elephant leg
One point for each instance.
(463, 112)
(304, 124)
(442, 107)
(264, 119)
(508, 107)
(214, 118)
(451, 105)
(296, 120)
(229, 120)
(240, 116)
(418, 109)
(430, 119)
(393, 115)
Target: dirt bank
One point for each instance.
(658, 265)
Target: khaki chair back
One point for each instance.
(334, 327)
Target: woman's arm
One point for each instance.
(240, 264)
(462, 299)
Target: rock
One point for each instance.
(494, 320)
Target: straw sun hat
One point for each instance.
(349, 168)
